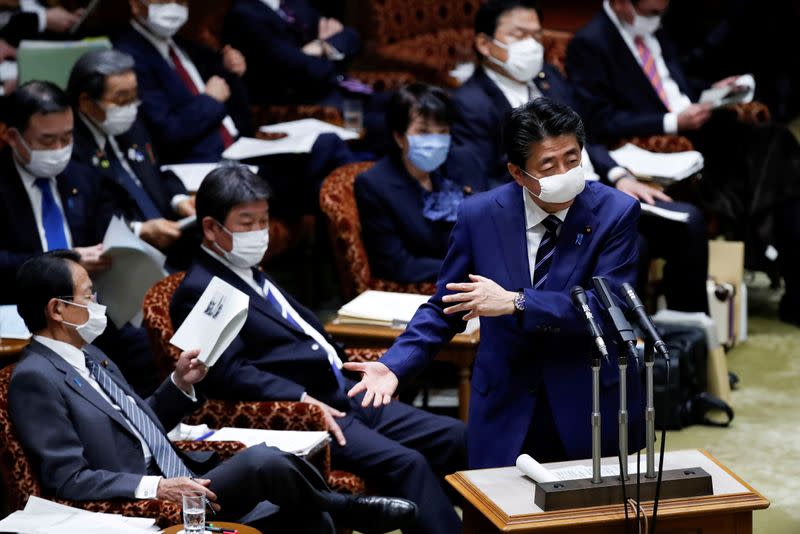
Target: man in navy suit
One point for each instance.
(110, 139)
(514, 254)
(490, 94)
(91, 437)
(283, 352)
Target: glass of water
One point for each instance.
(194, 513)
(353, 114)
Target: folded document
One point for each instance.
(666, 168)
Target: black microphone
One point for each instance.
(644, 321)
(581, 302)
(621, 324)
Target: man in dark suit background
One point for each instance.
(283, 352)
(493, 90)
(110, 139)
(91, 437)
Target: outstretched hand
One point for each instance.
(377, 380)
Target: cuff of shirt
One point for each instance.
(670, 123)
(303, 397)
(617, 173)
(136, 228)
(191, 395)
(147, 488)
(177, 199)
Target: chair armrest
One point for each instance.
(752, 113)
(659, 143)
(383, 80)
(225, 449)
(274, 114)
(165, 513)
(273, 415)
(364, 355)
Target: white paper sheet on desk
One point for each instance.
(41, 516)
(669, 167)
(136, 266)
(306, 131)
(214, 322)
(742, 91)
(11, 324)
(677, 216)
(193, 174)
(291, 441)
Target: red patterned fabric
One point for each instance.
(338, 203)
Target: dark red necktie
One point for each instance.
(227, 138)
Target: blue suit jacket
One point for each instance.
(402, 245)
(616, 97)
(278, 70)
(185, 127)
(81, 446)
(87, 207)
(481, 109)
(269, 359)
(547, 345)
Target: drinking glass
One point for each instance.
(353, 114)
(194, 513)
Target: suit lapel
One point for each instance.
(509, 220)
(24, 220)
(574, 238)
(500, 103)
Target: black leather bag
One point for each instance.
(689, 403)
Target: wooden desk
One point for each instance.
(501, 500)
(10, 349)
(243, 529)
(460, 351)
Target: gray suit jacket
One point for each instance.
(82, 447)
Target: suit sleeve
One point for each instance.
(346, 42)
(601, 160)
(617, 262)
(430, 329)
(39, 413)
(607, 118)
(387, 252)
(171, 404)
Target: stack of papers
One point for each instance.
(193, 174)
(136, 267)
(741, 91)
(214, 322)
(41, 516)
(384, 308)
(300, 137)
(11, 324)
(299, 443)
(664, 168)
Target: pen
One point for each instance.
(211, 528)
(204, 436)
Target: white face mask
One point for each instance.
(119, 119)
(645, 25)
(165, 20)
(94, 325)
(525, 59)
(559, 188)
(248, 247)
(47, 163)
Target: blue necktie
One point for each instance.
(166, 458)
(52, 218)
(143, 201)
(544, 256)
(261, 280)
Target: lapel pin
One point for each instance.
(579, 239)
(588, 230)
(542, 74)
(104, 363)
(74, 191)
(105, 164)
(77, 381)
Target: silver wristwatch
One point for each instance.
(519, 302)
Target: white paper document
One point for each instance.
(742, 91)
(669, 167)
(11, 324)
(214, 322)
(300, 443)
(677, 216)
(305, 131)
(41, 516)
(136, 266)
(385, 308)
(539, 473)
(193, 174)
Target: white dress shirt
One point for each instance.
(163, 46)
(534, 229)
(247, 275)
(32, 6)
(272, 4)
(35, 197)
(677, 100)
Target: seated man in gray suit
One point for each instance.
(92, 437)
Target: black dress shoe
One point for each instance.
(372, 515)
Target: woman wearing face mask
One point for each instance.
(406, 203)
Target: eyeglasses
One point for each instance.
(92, 297)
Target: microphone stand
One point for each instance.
(596, 445)
(650, 410)
(622, 416)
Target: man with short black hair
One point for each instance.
(515, 253)
(284, 353)
(92, 438)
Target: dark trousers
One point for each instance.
(405, 452)
(684, 247)
(275, 491)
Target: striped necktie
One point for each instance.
(166, 458)
(547, 247)
(650, 70)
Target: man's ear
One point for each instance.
(53, 309)
(515, 173)
(208, 225)
(483, 44)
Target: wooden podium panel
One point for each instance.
(460, 351)
(502, 500)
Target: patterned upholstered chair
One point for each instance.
(338, 203)
(20, 479)
(277, 415)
